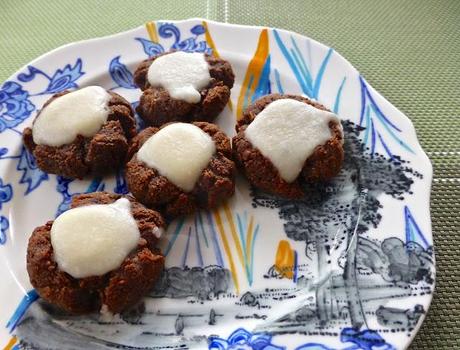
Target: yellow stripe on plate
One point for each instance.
(284, 260)
(253, 72)
(152, 30)
(249, 234)
(231, 223)
(11, 343)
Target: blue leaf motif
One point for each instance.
(185, 45)
(32, 176)
(65, 78)
(62, 187)
(26, 77)
(61, 80)
(121, 74)
(6, 193)
(189, 45)
(4, 225)
(168, 30)
(15, 106)
(198, 30)
(151, 48)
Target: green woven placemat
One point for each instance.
(408, 50)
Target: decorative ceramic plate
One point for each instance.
(350, 266)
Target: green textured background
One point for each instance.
(408, 50)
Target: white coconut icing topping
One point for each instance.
(287, 132)
(80, 112)
(180, 152)
(182, 74)
(95, 239)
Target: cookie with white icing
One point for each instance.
(183, 86)
(181, 167)
(100, 254)
(81, 132)
(286, 141)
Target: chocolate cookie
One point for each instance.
(323, 164)
(215, 184)
(96, 155)
(118, 289)
(157, 107)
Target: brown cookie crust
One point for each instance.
(118, 289)
(216, 183)
(322, 165)
(157, 107)
(104, 152)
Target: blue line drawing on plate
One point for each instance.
(296, 266)
(62, 187)
(366, 339)
(6, 193)
(169, 30)
(26, 301)
(97, 184)
(198, 245)
(121, 75)
(363, 340)
(121, 186)
(32, 176)
(61, 80)
(243, 229)
(338, 96)
(199, 222)
(4, 225)
(15, 106)
(413, 231)
(264, 86)
(198, 238)
(309, 83)
(151, 48)
(185, 255)
(140, 124)
(371, 116)
(217, 250)
(190, 44)
(279, 86)
(243, 339)
(177, 230)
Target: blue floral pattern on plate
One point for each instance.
(61, 80)
(15, 105)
